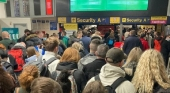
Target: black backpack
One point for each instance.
(9, 68)
(42, 65)
(112, 88)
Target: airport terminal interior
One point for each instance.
(84, 46)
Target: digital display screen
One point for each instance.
(108, 5)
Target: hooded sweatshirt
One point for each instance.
(108, 74)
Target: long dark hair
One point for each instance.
(64, 81)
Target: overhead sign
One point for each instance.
(114, 20)
(158, 20)
(135, 20)
(70, 26)
(49, 7)
(89, 20)
(62, 20)
(3, 1)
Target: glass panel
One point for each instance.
(16, 8)
(8, 9)
(26, 10)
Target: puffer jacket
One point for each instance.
(78, 75)
(32, 40)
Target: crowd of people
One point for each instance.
(85, 62)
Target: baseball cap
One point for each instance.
(116, 55)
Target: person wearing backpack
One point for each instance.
(51, 47)
(32, 54)
(156, 42)
(6, 40)
(68, 62)
(112, 76)
(18, 51)
(92, 69)
(91, 56)
(110, 40)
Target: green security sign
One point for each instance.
(3, 1)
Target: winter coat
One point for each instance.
(65, 40)
(86, 42)
(144, 44)
(165, 50)
(30, 59)
(92, 69)
(7, 43)
(33, 40)
(85, 60)
(78, 75)
(108, 74)
(130, 43)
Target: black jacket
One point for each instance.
(78, 75)
(165, 50)
(32, 40)
(93, 69)
(130, 43)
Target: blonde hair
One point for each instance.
(150, 70)
(77, 46)
(94, 87)
(28, 74)
(133, 56)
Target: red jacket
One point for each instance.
(144, 43)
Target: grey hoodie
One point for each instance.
(108, 74)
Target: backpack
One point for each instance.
(110, 42)
(157, 45)
(112, 88)
(72, 80)
(10, 70)
(42, 65)
(18, 56)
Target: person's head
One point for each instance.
(111, 35)
(45, 85)
(85, 33)
(167, 37)
(94, 87)
(63, 33)
(31, 51)
(77, 46)
(64, 81)
(4, 54)
(132, 33)
(40, 34)
(101, 51)
(115, 56)
(94, 44)
(27, 32)
(70, 55)
(51, 44)
(28, 74)
(142, 35)
(133, 56)
(126, 35)
(5, 34)
(79, 34)
(158, 34)
(150, 70)
(74, 34)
